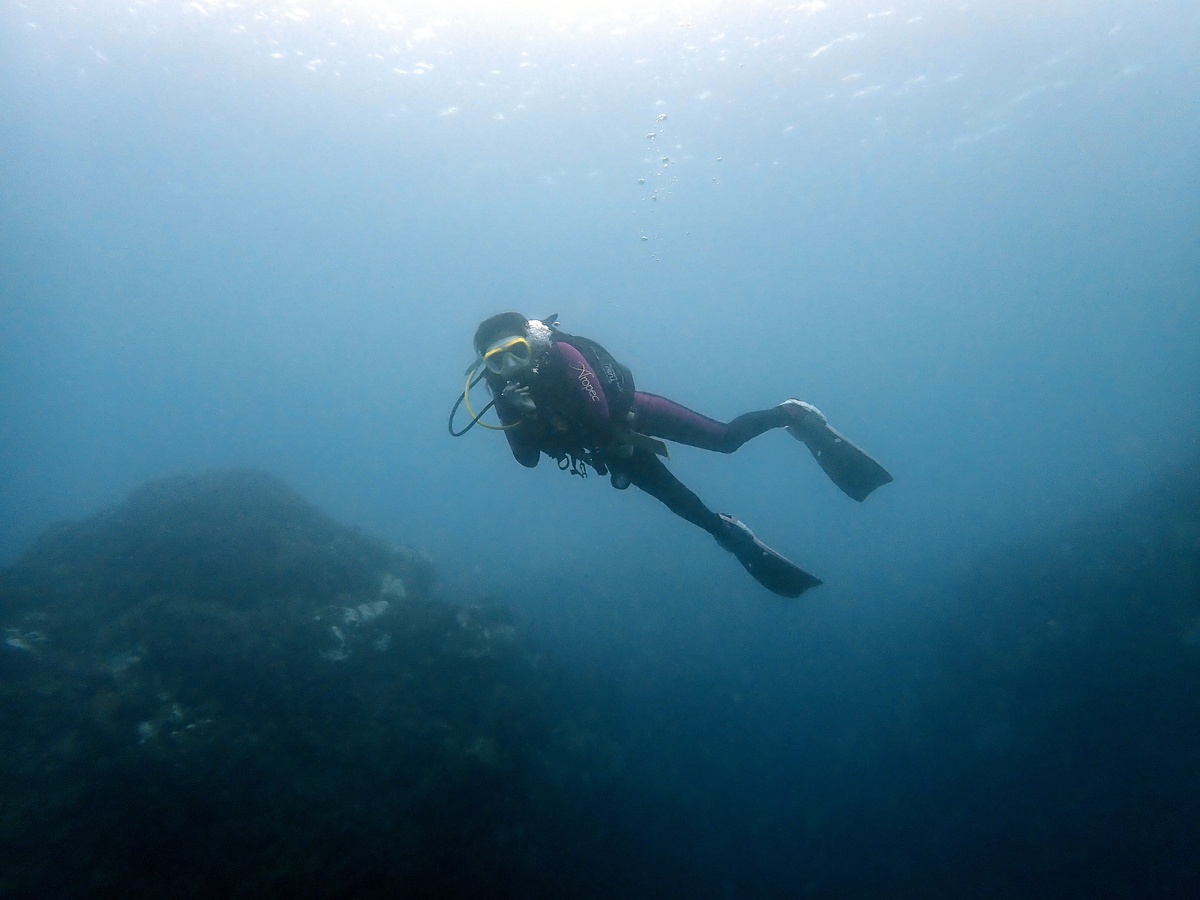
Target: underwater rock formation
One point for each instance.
(215, 689)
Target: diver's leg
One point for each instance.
(770, 569)
(847, 465)
(659, 417)
(647, 471)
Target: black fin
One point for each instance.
(769, 568)
(848, 466)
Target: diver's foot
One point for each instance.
(736, 536)
(769, 568)
(808, 422)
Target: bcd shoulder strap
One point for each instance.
(616, 379)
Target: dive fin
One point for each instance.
(848, 466)
(769, 568)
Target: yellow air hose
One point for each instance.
(471, 412)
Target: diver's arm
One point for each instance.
(523, 452)
(522, 437)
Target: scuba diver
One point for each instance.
(567, 397)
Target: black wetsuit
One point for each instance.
(583, 398)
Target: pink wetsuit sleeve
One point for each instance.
(588, 385)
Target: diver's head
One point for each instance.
(509, 344)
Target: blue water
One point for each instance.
(970, 233)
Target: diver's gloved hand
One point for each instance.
(517, 397)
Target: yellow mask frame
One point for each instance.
(518, 346)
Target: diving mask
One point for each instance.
(508, 356)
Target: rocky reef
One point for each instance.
(215, 689)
